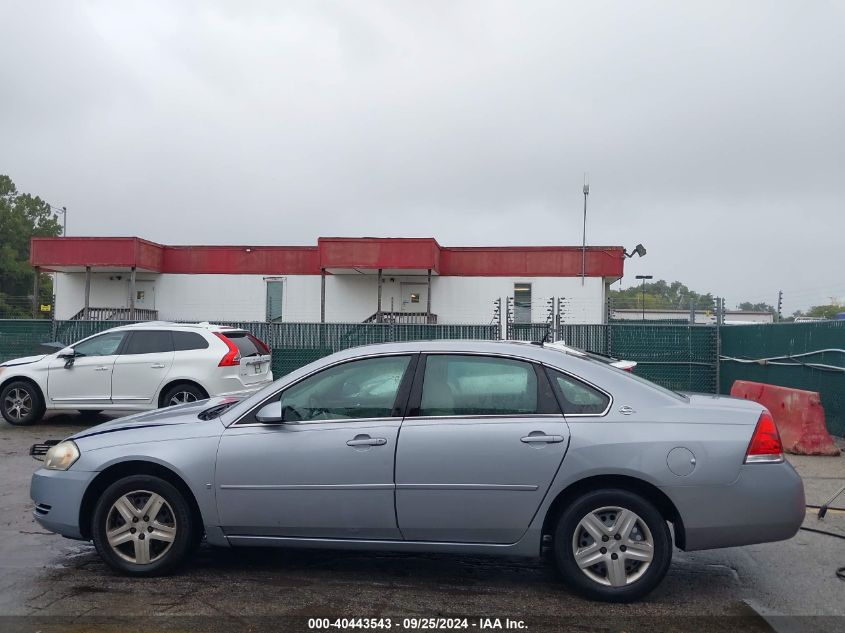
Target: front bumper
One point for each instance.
(765, 503)
(57, 495)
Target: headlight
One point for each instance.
(61, 456)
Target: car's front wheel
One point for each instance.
(143, 526)
(612, 545)
(21, 403)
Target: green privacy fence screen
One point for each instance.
(680, 357)
(800, 355)
(21, 337)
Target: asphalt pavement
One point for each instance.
(48, 583)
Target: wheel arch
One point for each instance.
(625, 482)
(128, 468)
(27, 379)
(178, 381)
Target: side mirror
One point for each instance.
(270, 413)
(66, 352)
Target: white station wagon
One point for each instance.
(135, 367)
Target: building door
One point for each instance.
(145, 297)
(414, 297)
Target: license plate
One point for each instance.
(257, 368)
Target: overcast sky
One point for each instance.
(713, 132)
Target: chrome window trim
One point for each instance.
(484, 416)
(586, 382)
(310, 422)
(343, 361)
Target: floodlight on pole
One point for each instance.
(644, 277)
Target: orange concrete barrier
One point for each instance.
(798, 414)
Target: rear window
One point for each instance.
(184, 341)
(247, 344)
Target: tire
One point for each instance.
(21, 403)
(620, 572)
(160, 543)
(182, 393)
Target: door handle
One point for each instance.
(366, 441)
(101, 369)
(542, 438)
(158, 366)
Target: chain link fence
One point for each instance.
(22, 337)
(681, 357)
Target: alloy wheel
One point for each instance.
(613, 546)
(18, 403)
(181, 397)
(141, 527)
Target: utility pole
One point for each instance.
(780, 304)
(584, 234)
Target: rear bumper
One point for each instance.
(234, 386)
(765, 503)
(58, 496)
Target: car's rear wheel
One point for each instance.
(181, 394)
(143, 526)
(21, 403)
(612, 545)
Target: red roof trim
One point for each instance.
(57, 253)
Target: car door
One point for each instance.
(327, 470)
(479, 449)
(85, 379)
(142, 366)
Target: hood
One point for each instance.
(170, 416)
(26, 360)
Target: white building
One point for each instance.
(338, 280)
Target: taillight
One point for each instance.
(233, 356)
(765, 445)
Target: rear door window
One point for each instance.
(478, 385)
(184, 341)
(149, 342)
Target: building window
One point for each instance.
(522, 303)
(275, 291)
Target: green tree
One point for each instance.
(826, 311)
(661, 295)
(756, 307)
(22, 217)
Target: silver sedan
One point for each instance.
(469, 447)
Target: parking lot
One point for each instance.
(54, 582)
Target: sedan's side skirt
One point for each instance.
(528, 545)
